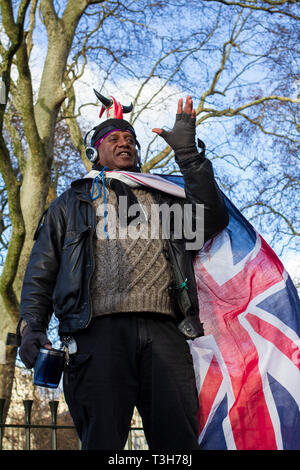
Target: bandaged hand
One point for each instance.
(182, 138)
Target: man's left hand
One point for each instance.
(182, 138)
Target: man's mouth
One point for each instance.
(124, 154)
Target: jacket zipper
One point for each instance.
(183, 297)
(92, 227)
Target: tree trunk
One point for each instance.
(7, 359)
(27, 203)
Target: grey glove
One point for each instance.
(182, 138)
(31, 343)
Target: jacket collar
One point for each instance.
(82, 185)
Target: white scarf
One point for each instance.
(134, 180)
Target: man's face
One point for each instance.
(118, 151)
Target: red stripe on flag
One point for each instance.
(251, 423)
(208, 392)
(268, 331)
(276, 263)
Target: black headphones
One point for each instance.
(90, 152)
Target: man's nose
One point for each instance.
(123, 142)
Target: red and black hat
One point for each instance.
(115, 121)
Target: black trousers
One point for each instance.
(128, 360)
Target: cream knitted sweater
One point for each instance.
(131, 274)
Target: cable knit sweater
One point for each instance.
(131, 274)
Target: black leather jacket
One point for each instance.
(61, 264)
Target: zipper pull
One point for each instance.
(67, 361)
(70, 347)
(184, 285)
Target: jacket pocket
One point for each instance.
(70, 293)
(75, 237)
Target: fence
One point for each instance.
(27, 426)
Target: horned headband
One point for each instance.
(114, 110)
(115, 121)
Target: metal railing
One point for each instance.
(28, 426)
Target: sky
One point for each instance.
(160, 116)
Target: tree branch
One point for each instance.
(258, 6)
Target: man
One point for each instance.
(128, 304)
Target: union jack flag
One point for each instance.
(247, 365)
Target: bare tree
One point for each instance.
(27, 188)
(231, 63)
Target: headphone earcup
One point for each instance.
(91, 153)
